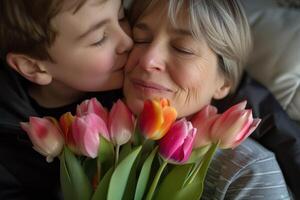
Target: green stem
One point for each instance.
(203, 165)
(192, 174)
(98, 170)
(117, 155)
(155, 181)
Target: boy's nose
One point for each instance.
(125, 45)
(125, 42)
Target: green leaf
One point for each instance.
(102, 188)
(144, 176)
(138, 137)
(173, 182)
(106, 151)
(193, 190)
(65, 179)
(90, 166)
(75, 183)
(131, 183)
(197, 154)
(120, 176)
(125, 150)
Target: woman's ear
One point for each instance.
(223, 90)
(30, 68)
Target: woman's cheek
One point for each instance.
(133, 58)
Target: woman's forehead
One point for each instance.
(177, 15)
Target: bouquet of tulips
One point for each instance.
(111, 155)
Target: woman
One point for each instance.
(192, 53)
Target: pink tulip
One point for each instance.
(176, 146)
(120, 123)
(86, 132)
(234, 126)
(45, 135)
(203, 121)
(92, 106)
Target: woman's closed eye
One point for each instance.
(183, 50)
(141, 40)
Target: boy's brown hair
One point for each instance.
(25, 26)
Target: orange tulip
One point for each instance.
(156, 118)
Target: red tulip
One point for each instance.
(45, 135)
(176, 146)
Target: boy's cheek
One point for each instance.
(104, 64)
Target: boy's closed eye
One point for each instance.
(100, 41)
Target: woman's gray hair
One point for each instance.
(222, 23)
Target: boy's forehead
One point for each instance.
(75, 6)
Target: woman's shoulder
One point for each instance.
(249, 155)
(249, 169)
(248, 152)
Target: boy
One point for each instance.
(52, 53)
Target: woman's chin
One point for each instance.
(136, 105)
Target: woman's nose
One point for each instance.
(152, 58)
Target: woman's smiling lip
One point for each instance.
(147, 85)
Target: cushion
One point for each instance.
(275, 60)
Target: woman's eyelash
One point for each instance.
(141, 41)
(183, 50)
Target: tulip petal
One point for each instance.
(92, 106)
(66, 121)
(183, 153)
(96, 107)
(169, 117)
(86, 131)
(203, 121)
(176, 146)
(253, 126)
(45, 135)
(173, 139)
(120, 123)
(151, 118)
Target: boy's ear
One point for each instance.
(30, 68)
(223, 90)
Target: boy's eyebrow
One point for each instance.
(92, 28)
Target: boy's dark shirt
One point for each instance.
(24, 173)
